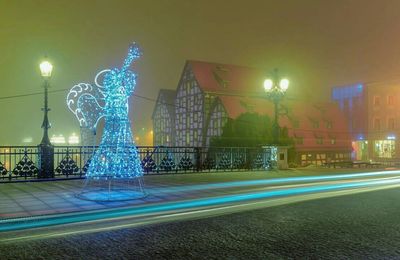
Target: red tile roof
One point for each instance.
(240, 90)
(215, 77)
(302, 112)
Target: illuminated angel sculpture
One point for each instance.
(116, 156)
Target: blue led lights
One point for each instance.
(117, 157)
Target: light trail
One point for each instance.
(19, 224)
(126, 222)
(274, 181)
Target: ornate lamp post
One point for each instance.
(46, 149)
(276, 88)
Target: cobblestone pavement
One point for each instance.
(359, 226)
(42, 198)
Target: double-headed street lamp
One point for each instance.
(46, 149)
(275, 88)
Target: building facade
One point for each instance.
(208, 94)
(164, 118)
(373, 118)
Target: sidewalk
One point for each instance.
(42, 198)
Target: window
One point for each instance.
(187, 138)
(339, 156)
(391, 123)
(299, 140)
(329, 124)
(377, 124)
(188, 86)
(319, 140)
(377, 100)
(333, 140)
(390, 100)
(385, 148)
(314, 122)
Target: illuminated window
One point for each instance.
(333, 140)
(385, 148)
(57, 139)
(73, 139)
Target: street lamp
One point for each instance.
(45, 69)
(276, 88)
(46, 149)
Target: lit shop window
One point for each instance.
(384, 148)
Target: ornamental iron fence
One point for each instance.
(23, 162)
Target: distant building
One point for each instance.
(209, 93)
(164, 118)
(373, 118)
(318, 129)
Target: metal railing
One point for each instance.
(22, 162)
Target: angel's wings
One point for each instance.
(87, 103)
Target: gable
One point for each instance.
(224, 78)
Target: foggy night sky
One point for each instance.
(317, 43)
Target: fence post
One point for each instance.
(46, 159)
(197, 154)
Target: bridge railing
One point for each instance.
(22, 162)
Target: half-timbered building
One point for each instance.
(164, 118)
(208, 94)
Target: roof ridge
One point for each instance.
(223, 64)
